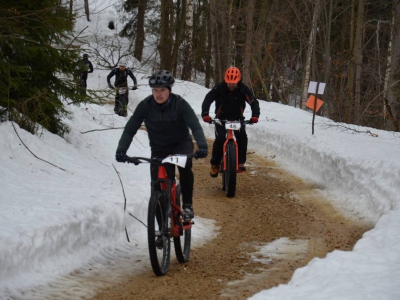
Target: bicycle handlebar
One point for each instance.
(158, 160)
(222, 122)
(123, 87)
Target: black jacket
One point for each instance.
(121, 78)
(230, 105)
(86, 67)
(167, 124)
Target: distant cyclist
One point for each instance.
(121, 80)
(168, 118)
(85, 67)
(230, 98)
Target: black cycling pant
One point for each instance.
(119, 106)
(220, 138)
(186, 176)
(83, 85)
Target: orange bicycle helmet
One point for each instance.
(232, 75)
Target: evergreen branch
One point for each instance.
(12, 123)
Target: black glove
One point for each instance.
(134, 88)
(120, 156)
(110, 86)
(201, 153)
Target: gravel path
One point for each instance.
(269, 204)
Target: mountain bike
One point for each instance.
(164, 216)
(121, 107)
(229, 166)
(82, 84)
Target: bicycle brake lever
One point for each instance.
(133, 160)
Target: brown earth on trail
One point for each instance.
(269, 204)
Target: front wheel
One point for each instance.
(123, 105)
(230, 173)
(182, 243)
(158, 233)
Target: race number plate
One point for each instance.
(179, 160)
(122, 90)
(234, 125)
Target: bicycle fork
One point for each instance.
(228, 138)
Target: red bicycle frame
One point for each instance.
(177, 224)
(229, 136)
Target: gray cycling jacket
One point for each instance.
(167, 124)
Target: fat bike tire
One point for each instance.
(159, 257)
(182, 243)
(83, 87)
(123, 109)
(230, 172)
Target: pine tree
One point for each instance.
(36, 65)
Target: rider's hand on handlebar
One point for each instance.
(110, 86)
(254, 120)
(120, 156)
(201, 153)
(207, 119)
(134, 87)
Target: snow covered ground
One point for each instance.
(63, 223)
(63, 227)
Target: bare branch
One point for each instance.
(102, 129)
(343, 127)
(12, 123)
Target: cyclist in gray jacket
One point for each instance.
(168, 118)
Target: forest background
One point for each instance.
(279, 45)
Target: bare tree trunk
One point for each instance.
(139, 42)
(351, 69)
(209, 49)
(249, 38)
(392, 104)
(219, 14)
(265, 88)
(327, 59)
(358, 60)
(311, 42)
(230, 61)
(87, 9)
(177, 32)
(165, 44)
(188, 44)
(71, 6)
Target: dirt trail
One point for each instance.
(269, 204)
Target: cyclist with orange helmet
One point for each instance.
(230, 98)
